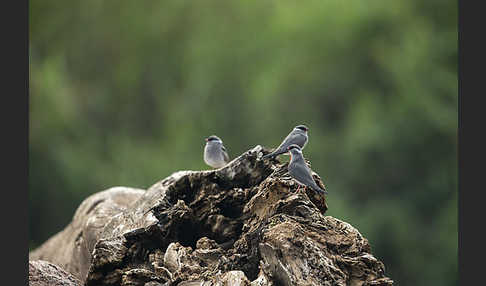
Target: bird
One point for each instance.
(299, 170)
(215, 154)
(297, 136)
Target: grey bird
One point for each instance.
(297, 136)
(299, 170)
(215, 155)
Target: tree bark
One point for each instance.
(43, 273)
(243, 224)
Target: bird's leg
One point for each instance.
(298, 188)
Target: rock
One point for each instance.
(243, 224)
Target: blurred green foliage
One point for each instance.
(124, 93)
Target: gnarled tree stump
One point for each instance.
(243, 224)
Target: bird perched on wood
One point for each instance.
(297, 136)
(215, 155)
(299, 170)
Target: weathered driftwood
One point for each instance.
(243, 224)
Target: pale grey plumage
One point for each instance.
(297, 136)
(215, 154)
(299, 170)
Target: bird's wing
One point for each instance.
(292, 138)
(282, 148)
(225, 154)
(300, 139)
(303, 174)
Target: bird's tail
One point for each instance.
(273, 154)
(321, 190)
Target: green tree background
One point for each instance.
(124, 93)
